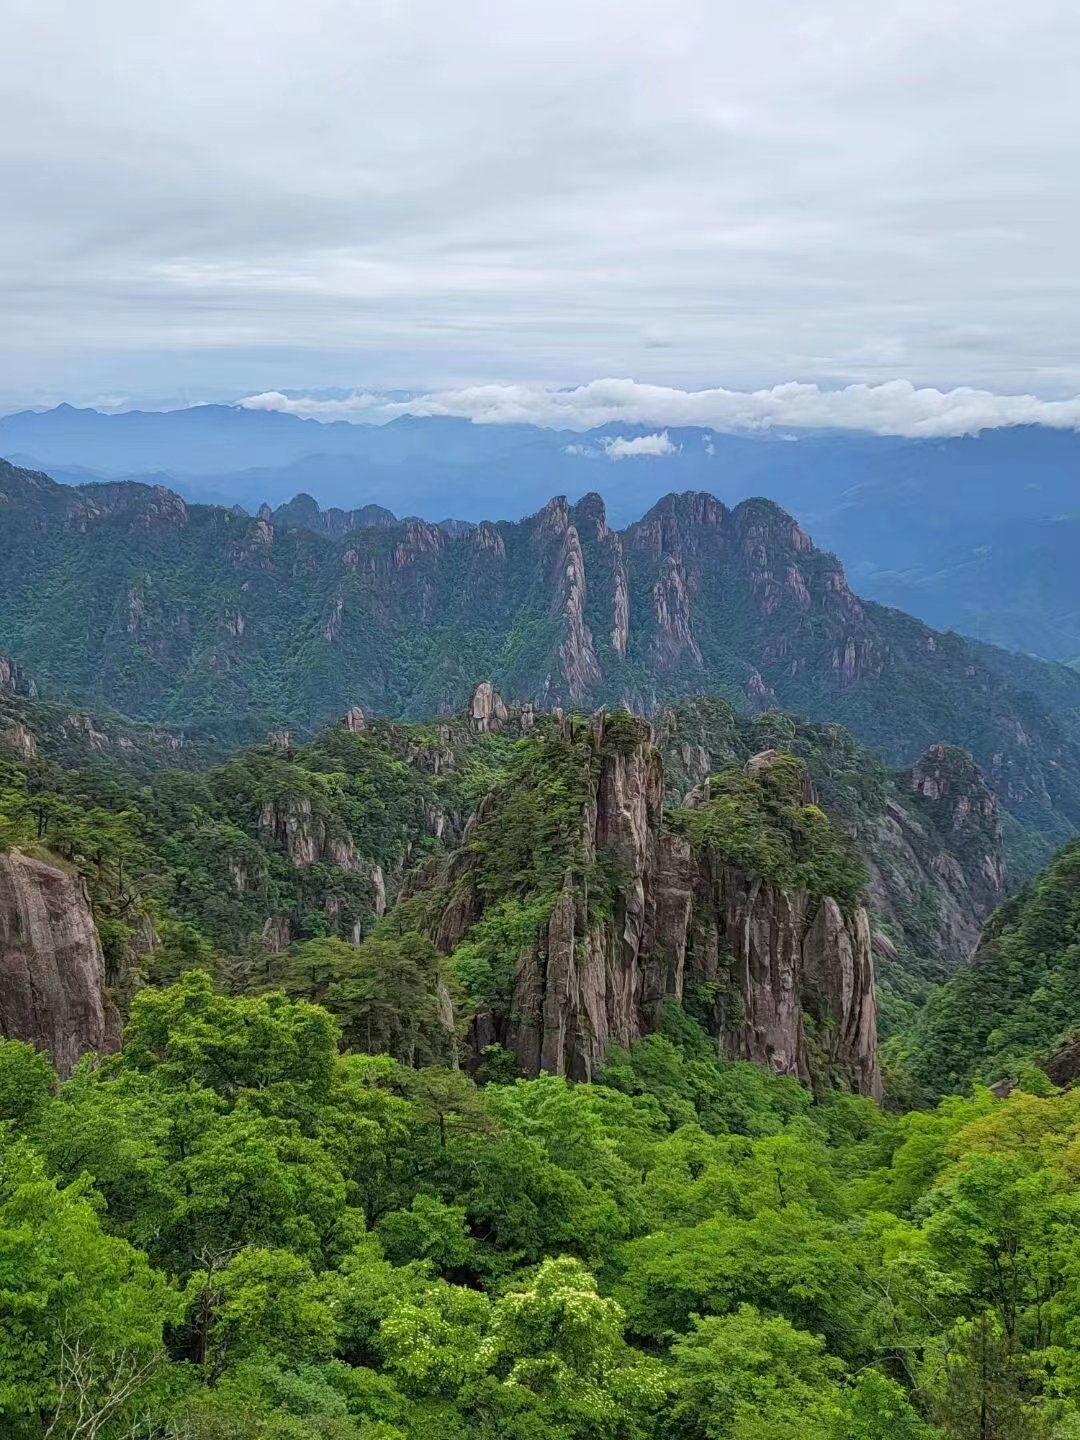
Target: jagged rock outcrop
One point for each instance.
(577, 654)
(292, 822)
(14, 679)
(930, 837)
(674, 633)
(670, 923)
(354, 720)
(620, 608)
(303, 511)
(52, 972)
(487, 709)
(17, 740)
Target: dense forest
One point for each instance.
(235, 1229)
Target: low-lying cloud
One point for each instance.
(894, 407)
(620, 448)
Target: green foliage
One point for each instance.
(81, 1312)
(760, 823)
(26, 1078)
(268, 1237)
(1020, 995)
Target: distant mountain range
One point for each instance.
(123, 595)
(975, 534)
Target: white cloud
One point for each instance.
(313, 407)
(894, 407)
(619, 448)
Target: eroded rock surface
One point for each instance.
(52, 972)
(776, 964)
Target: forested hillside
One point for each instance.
(1019, 999)
(316, 1196)
(290, 845)
(123, 596)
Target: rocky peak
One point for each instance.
(767, 760)
(14, 679)
(354, 720)
(938, 844)
(949, 777)
(670, 526)
(640, 916)
(589, 515)
(487, 710)
(304, 512)
(964, 809)
(418, 538)
(554, 518)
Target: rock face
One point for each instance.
(939, 843)
(488, 714)
(52, 973)
(291, 822)
(774, 966)
(14, 680)
(930, 837)
(487, 709)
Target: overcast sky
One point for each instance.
(210, 200)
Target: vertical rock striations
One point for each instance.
(14, 680)
(52, 973)
(642, 915)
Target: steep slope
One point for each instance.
(52, 970)
(1017, 1000)
(930, 837)
(572, 912)
(32, 729)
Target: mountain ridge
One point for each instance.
(124, 594)
(936, 526)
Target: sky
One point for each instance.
(850, 209)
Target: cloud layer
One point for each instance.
(422, 195)
(895, 407)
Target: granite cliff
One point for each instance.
(52, 971)
(642, 913)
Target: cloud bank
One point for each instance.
(894, 407)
